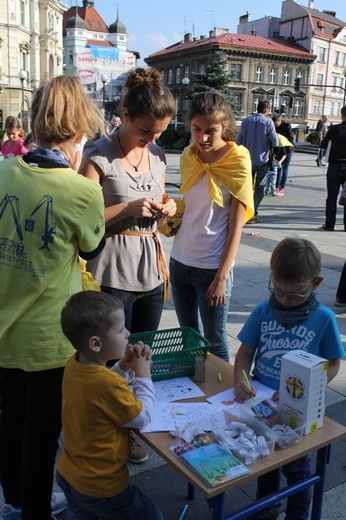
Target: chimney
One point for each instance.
(188, 38)
(253, 32)
(331, 13)
(311, 4)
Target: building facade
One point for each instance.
(323, 35)
(259, 68)
(31, 51)
(96, 53)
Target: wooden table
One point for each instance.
(319, 441)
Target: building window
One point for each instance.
(257, 99)
(236, 70)
(238, 101)
(338, 108)
(186, 72)
(321, 54)
(337, 58)
(91, 23)
(71, 58)
(319, 80)
(297, 107)
(202, 68)
(317, 106)
(287, 77)
(335, 82)
(258, 75)
(332, 108)
(163, 76)
(170, 77)
(22, 12)
(177, 75)
(272, 75)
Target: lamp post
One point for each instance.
(104, 79)
(22, 76)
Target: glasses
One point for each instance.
(288, 295)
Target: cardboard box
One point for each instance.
(303, 383)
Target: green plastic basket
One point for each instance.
(174, 351)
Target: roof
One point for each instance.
(324, 24)
(100, 43)
(241, 42)
(93, 21)
(117, 27)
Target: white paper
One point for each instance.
(171, 416)
(176, 389)
(228, 399)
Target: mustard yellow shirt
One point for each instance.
(96, 403)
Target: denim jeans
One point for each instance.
(281, 183)
(30, 426)
(189, 287)
(142, 310)
(341, 291)
(131, 504)
(298, 505)
(259, 178)
(336, 176)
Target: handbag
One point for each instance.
(342, 200)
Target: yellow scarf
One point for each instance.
(233, 171)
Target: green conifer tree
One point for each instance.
(216, 77)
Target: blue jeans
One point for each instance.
(131, 504)
(282, 180)
(259, 173)
(189, 287)
(142, 310)
(298, 505)
(336, 176)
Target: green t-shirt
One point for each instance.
(46, 215)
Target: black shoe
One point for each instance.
(325, 228)
(254, 220)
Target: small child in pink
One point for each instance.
(14, 145)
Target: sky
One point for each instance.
(154, 25)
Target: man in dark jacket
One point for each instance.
(336, 173)
(283, 128)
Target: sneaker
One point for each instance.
(254, 220)
(271, 513)
(137, 452)
(280, 192)
(339, 302)
(11, 513)
(58, 503)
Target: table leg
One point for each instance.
(321, 468)
(217, 506)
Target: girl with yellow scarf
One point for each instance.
(217, 185)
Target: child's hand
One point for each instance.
(140, 349)
(275, 396)
(141, 366)
(242, 391)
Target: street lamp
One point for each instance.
(22, 76)
(104, 79)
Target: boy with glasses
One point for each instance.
(293, 318)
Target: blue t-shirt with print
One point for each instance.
(318, 334)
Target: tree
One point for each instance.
(216, 77)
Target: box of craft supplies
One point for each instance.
(244, 435)
(303, 383)
(285, 429)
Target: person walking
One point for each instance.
(131, 170)
(257, 134)
(217, 187)
(50, 215)
(283, 128)
(336, 172)
(321, 132)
